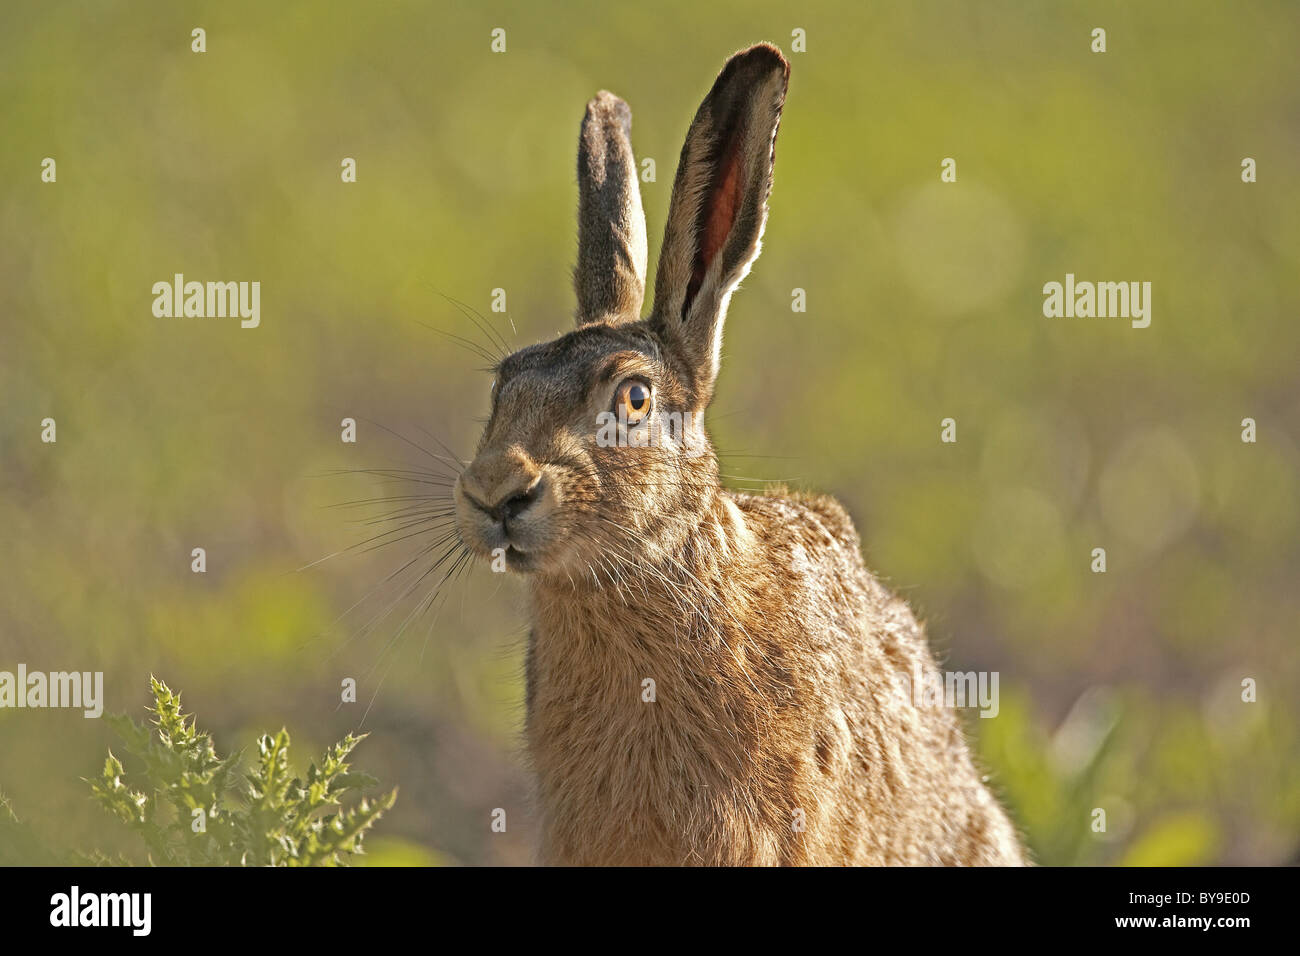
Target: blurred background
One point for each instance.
(1119, 691)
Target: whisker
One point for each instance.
(490, 330)
(454, 461)
(467, 344)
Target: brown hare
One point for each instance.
(712, 677)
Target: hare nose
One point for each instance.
(509, 505)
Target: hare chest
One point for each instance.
(644, 757)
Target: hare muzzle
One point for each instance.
(504, 506)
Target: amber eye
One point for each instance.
(632, 401)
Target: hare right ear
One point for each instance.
(718, 210)
(610, 275)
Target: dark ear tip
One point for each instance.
(760, 58)
(606, 108)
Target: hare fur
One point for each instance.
(712, 677)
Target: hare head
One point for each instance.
(595, 445)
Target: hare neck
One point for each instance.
(628, 677)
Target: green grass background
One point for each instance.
(1119, 691)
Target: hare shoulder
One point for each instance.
(810, 514)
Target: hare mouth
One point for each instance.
(518, 559)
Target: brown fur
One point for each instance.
(778, 660)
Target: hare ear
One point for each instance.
(610, 275)
(718, 209)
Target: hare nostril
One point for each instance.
(518, 504)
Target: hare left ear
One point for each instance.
(610, 276)
(718, 210)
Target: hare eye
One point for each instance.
(632, 401)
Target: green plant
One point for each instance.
(189, 811)
(19, 846)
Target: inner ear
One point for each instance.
(718, 210)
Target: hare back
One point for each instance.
(895, 781)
